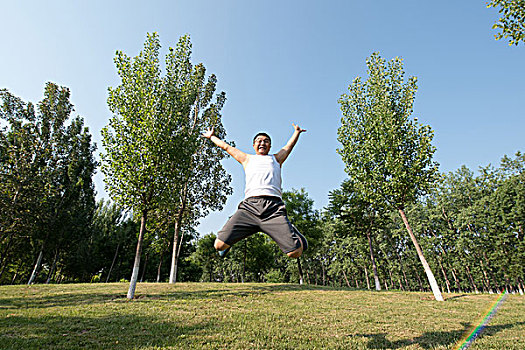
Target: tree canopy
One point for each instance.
(154, 158)
(512, 20)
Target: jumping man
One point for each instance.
(262, 208)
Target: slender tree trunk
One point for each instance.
(136, 266)
(447, 282)
(300, 271)
(113, 262)
(402, 268)
(37, 267)
(486, 281)
(441, 254)
(474, 286)
(520, 286)
(178, 254)
(324, 273)
(391, 278)
(176, 243)
(346, 279)
(52, 271)
(4, 265)
(405, 278)
(158, 268)
(400, 285)
(16, 272)
(58, 275)
(421, 288)
(308, 277)
(173, 270)
(244, 261)
(508, 287)
(374, 267)
(431, 279)
(494, 281)
(144, 268)
(4, 259)
(453, 230)
(367, 280)
(458, 285)
(118, 269)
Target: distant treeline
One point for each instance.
(470, 226)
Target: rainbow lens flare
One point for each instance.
(465, 342)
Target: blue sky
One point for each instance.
(285, 61)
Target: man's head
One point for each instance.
(262, 143)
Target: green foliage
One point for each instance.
(274, 276)
(108, 248)
(470, 228)
(387, 155)
(155, 159)
(152, 141)
(206, 257)
(143, 138)
(46, 173)
(301, 212)
(512, 20)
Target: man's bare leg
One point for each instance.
(220, 245)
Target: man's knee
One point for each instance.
(296, 253)
(220, 245)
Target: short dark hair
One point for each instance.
(262, 134)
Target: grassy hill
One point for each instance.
(248, 316)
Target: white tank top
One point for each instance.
(263, 176)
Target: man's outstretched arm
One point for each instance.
(238, 155)
(285, 151)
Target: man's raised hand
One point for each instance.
(298, 128)
(209, 133)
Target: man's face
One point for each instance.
(261, 145)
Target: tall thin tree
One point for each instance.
(388, 155)
(143, 141)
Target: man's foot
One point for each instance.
(222, 253)
(303, 239)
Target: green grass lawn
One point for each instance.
(248, 316)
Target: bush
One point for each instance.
(274, 276)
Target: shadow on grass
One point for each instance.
(431, 340)
(49, 300)
(240, 290)
(219, 291)
(54, 300)
(81, 332)
(456, 297)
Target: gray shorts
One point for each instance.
(262, 214)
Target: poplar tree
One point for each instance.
(46, 174)
(386, 154)
(150, 141)
(141, 141)
(202, 184)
